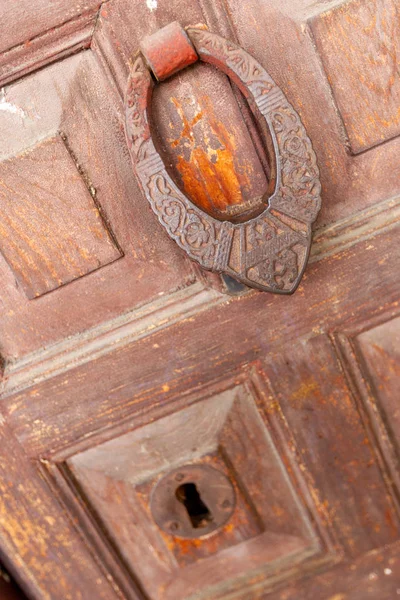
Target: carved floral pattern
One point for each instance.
(188, 225)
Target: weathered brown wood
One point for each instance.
(361, 66)
(39, 537)
(26, 20)
(115, 375)
(311, 391)
(51, 230)
(376, 575)
(225, 432)
(380, 348)
(371, 357)
(349, 183)
(72, 97)
(140, 372)
(54, 44)
(355, 188)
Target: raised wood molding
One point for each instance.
(365, 224)
(377, 414)
(145, 364)
(148, 369)
(28, 514)
(361, 63)
(233, 403)
(53, 44)
(164, 312)
(95, 342)
(376, 573)
(43, 251)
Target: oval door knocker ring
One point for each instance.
(268, 251)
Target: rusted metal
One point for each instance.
(168, 51)
(193, 501)
(267, 251)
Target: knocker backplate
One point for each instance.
(270, 251)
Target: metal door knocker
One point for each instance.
(268, 251)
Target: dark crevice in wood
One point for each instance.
(92, 191)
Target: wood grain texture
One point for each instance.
(36, 36)
(25, 20)
(374, 576)
(39, 538)
(359, 45)
(54, 44)
(323, 419)
(132, 348)
(377, 399)
(327, 241)
(374, 364)
(51, 230)
(380, 348)
(346, 232)
(350, 183)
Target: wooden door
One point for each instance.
(129, 374)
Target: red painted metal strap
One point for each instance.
(168, 51)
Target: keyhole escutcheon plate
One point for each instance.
(193, 501)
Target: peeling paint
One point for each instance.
(9, 107)
(212, 174)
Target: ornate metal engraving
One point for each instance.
(270, 251)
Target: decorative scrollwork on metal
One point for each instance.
(269, 251)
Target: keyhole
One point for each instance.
(199, 513)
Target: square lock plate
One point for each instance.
(197, 500)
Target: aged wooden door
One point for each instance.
(167, 433)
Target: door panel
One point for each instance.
(64, 152)
(306, 47)
(123, 361)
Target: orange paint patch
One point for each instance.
(209, 166)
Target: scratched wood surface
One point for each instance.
(34, 36)
(119, 359)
